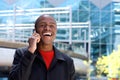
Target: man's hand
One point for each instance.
(33, 40)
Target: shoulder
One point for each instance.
(63, 56)
(20, 51)
(66, 57)
(22, 48)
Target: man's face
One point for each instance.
(47, 29)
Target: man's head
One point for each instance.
(45, 25)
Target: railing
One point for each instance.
(21, 32)
(65, 46)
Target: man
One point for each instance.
(41, 60)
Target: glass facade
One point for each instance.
(95, 23)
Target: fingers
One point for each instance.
(33, 40)
(36, 36)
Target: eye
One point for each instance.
(42, 25)
(52, 26)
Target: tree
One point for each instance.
(109, 65)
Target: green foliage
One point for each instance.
(109, 65)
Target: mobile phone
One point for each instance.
(34, 30)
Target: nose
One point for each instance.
(47, 27)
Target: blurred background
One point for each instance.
(88, 31)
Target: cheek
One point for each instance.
(55, 31)
(38, 30)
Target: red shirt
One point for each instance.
(47, 57)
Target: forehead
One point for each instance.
(47, 19)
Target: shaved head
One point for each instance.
(42, 17)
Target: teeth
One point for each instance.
(47, 34)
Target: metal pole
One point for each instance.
(70, 29)
(85, 39)
(14, 21)
(89, 48)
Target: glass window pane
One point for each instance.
(62, 34)
(84, 5)
(95, 51)
(95, 35)
(106, 21)
(83, 16)
(95, 18)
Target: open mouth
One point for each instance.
(47, 34)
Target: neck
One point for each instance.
(45, 47)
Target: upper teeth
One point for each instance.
(46, 33)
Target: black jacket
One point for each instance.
(28, 66)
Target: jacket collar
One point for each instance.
(58, 54)
(58, 57)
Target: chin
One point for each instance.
(47, 42)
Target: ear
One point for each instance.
(35, 30)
